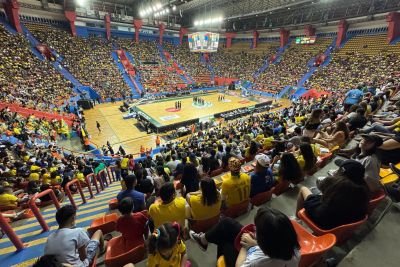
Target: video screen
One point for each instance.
(203, 42)
(305, 40)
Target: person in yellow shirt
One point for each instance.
(165, 247)
(55, 179)
(45, 176)
(170, 208)
(236, 187)
(34, 176)
(124, 163)
(205, 203)
(7, 198)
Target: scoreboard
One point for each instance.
(203, 42)
(305, 40)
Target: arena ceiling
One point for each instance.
(241, 15)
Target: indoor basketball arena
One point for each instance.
(199, 133)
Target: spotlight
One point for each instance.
(167, 10)
(173, 7)
(159, 6)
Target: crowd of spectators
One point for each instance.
(291, 67)
(155, 75)
(190, 61)
(349, 70)
(229, 64)
(26, 80)
(292, 138)
(87, 59)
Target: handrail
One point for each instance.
(36, 211)
(7, 229)
(94, 181)
(89, 186)
(69, 194)
(111, 172)
(100, 177)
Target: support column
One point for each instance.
(71, 17)
(107, 26)
(309, 30)
(284, 35)
(137, 23)
(342, 30)
(255, 38)
(229, 36)
(12, 11)
(182, 33)
(393, 20)
(161, 28)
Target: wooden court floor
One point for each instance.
(158, 111)
(118, 131)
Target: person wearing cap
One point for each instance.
(262, 179)
(236, 187)
(344, 197)
(368, 158)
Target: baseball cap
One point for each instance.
(373, 138)
(351, 168)
(234, 164)
(263, 160)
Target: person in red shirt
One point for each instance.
(132, 226)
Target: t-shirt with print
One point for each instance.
(236, 189)
(256, 258)
(64, 243)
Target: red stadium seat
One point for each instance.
(374, 202)
(262, 198)
(113, 204)
(312, 247)
(216, 172)
(119, 253)
(237, 210)
(203, 225)
(342, 232)
(106, 224)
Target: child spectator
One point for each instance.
(166, 248)
(132, 226)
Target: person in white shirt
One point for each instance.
(72, 245)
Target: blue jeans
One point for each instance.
(377, 127)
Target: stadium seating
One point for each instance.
(342, 232)
(119, 253)
(292, 66)
(21, 69)
(312, 248)
(88, 60)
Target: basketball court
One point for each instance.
(162, 112)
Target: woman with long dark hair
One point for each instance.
(273, 242)
(307, 159)
(289, 172)
(190, 179)
(313, 122)
(251, 151)
(205, 203)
